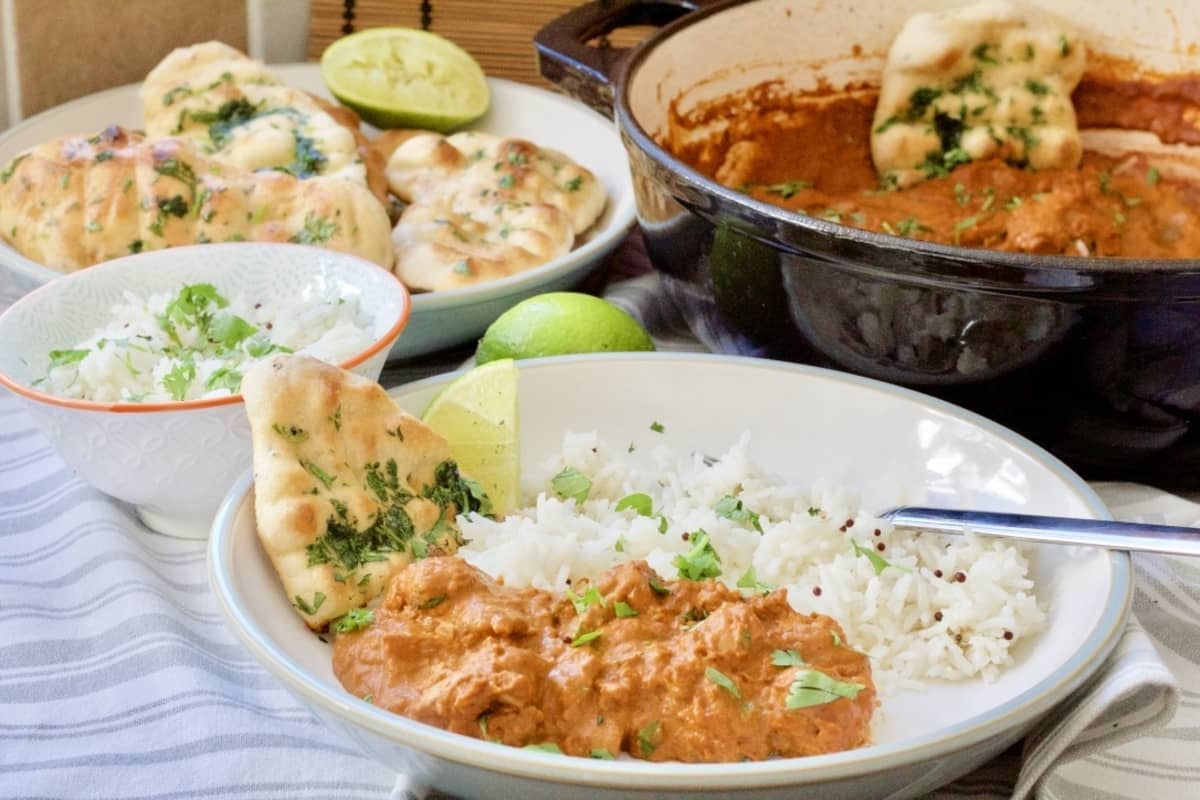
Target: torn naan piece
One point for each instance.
(349, 488)
(989, 80)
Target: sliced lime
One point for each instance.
(406, 78)
(477, 413)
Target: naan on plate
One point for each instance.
(349, 488)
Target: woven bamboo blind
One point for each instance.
(498, 33)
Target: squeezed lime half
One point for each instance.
(406, 78)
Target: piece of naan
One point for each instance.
(77, 200)
(237, 111)
(348, 488)
(482, 207)
(989, 80)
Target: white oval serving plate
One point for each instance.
(806, 425)
(439, 319)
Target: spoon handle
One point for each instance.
(1138, 536)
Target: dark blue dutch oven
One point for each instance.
(1097, 359)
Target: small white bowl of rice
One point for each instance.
(133, 368)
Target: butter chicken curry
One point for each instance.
(974, 138)
(627, 663)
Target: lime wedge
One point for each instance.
(477, 413)
(406, 78)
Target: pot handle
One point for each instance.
(583, 72)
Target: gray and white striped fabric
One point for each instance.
(119, 680)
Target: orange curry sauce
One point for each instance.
(812, 154)
(658, 669)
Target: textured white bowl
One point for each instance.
(806, 425)
(175, 461)
(439, 319)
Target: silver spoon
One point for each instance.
(1138, 536)
(1141, 537)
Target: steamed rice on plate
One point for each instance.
(923, 607)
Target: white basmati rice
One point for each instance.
(145, 354)
(913, 616)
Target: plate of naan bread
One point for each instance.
(215, 146)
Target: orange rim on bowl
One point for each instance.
(22, 389)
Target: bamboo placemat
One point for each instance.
(498, 33)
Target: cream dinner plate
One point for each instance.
(806, 425)
(439, 319)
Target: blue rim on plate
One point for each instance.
(1028, 705)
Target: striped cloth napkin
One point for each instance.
(118, 679)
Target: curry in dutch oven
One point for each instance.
(985, 132)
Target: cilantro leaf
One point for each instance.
(432, 602)
(641, 503)
(225, 378)
(356, 619)
(724, 681)
(701, 562)
(572, 484)
(318, 473)
(814, 688)
(877, 561)
(600, 752)
(306, 607)
(61, 358)
(179, 379)
(732, 508)
(591, 597)
(648, 739)
(585, 638)
(230, 330)
(290, 432)
(260, 346)
(545, 747)
(786, 658)
(787, 189)
(750, 581)
(316, 230)
(657, 427)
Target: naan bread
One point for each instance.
(349, 488)
(989, 80)
(75, 201)
(483, 207)
(513, 170)
(238, 111)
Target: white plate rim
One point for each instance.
(632, 774)
(623, 209)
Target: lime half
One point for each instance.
(477, 413)
(406, 78)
